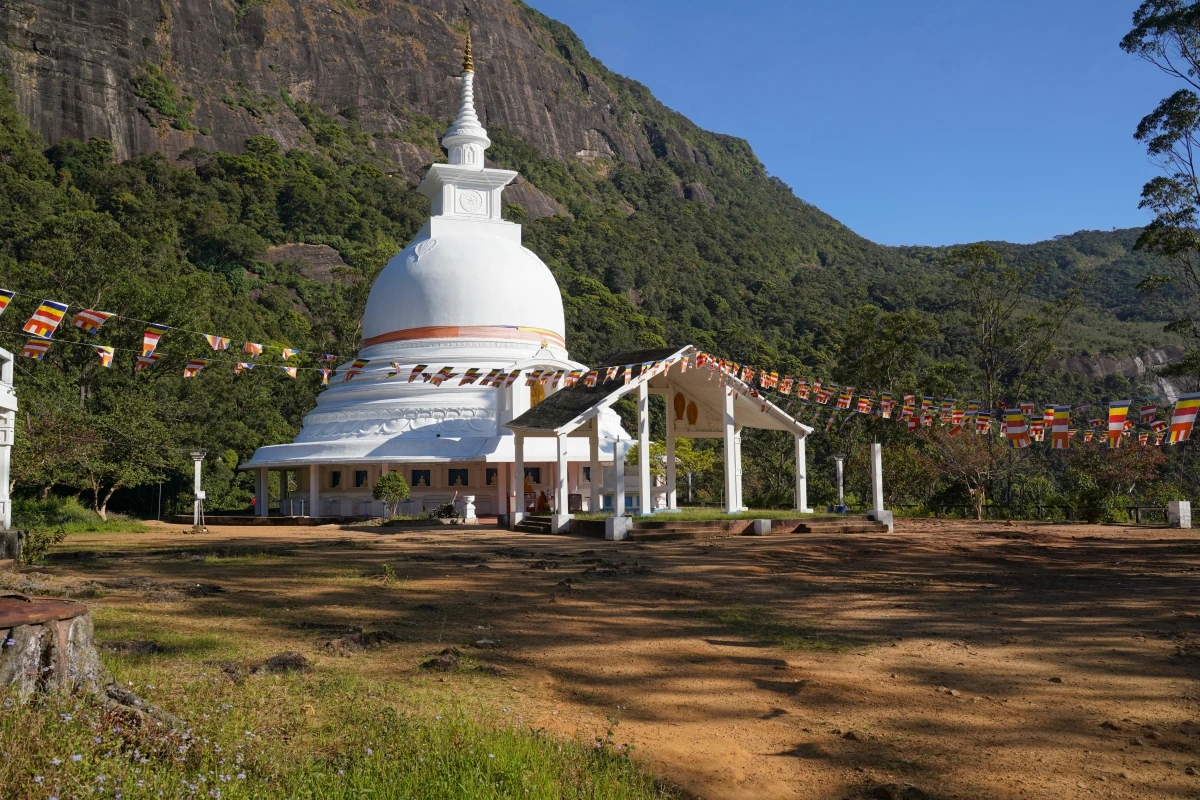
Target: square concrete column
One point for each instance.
(672, 470)
(877, 477)
(731, 454)
(596, 472)
(501, 487)
(262, 493)
(802, 476)
(619, 478)
(737, 466)
(643, 426)
(314, 491)
(518, 513)
(561, 521)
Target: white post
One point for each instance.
(737, 465)
(501, 487)
(672, 476)
(595, 469)
(643, 425)
(562, 516)
(518, 513)
(7, 431)
(802, 476)
(840, 475)
(314, 491)
(197, 492)
(262, 494)
(731, 476)
(877, 477)
(619, 478)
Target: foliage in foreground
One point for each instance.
(298, 737)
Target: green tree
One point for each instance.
(391, 489)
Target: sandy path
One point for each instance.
(989, 656)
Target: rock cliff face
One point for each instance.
(166, 75)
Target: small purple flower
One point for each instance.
(77, 757)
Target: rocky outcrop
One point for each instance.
(1135, 367)
(167, 75)
(319, 262)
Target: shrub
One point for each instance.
(392, 490)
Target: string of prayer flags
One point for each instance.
(1183, 418)
(1148, 414)
(253, 350)
(46, 319)
(324, 376)
(443, 375)
(287, 353)
(91, 321)
(417, 371)
(216, 342)
(357, 367)
(106, 355)
(1060, 433)
(35, 349)
(469, 377)
(150, 338)
(1117, 411)
(242, 366)
(532, 377)
(1016, 430)
(146, 361)
(291, 372)
(829, 422)
(494, 376)
(574, 375)
(5, 298)
(804, 388)
(193, 367)
(512, 378)
(785, 384)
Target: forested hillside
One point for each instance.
(657, 231)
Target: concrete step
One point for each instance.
(669, 534)
(842, 525)
(532, 527)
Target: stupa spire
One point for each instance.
(466, 140)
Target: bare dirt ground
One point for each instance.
(971, 660)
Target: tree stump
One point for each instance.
(11, 545)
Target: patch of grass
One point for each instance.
(312, 736)
(154, 86)
(265, 557)
(709, 514)
(757, 623)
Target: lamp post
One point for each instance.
(840, 459)
(198, 503)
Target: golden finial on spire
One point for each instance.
(468, 62)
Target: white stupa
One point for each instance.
(464, 294)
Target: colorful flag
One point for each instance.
(844, 398)
(91, 321)
(956, 417)
(913, 424)
(1117, 411)
(785, 384)
(1037, 430)
(5, 298)
(326, 358)
(983, 423)
(886, 404)
(589, 380)
(1087, 435)
(216, 342)
(747, 374)
(417, 371)
(150, 338)
(910, 406)
(252, 349)
(1158, 439)
(1148, 414)
(558, 375)
(1016, 430)
(146, 361)
(829, 422)
(287, 353)
(1048, 416)
(357, 367)
(35, 349)
(1027, 409)
(803, 388)
(926, 404)
(324, 376)
(106, 355)
(1183, 418)
(469, 377)
(574, 376)
(242, 366)
(1095, 423)
(193, 367)
(1159, 425)
(864, 405)
(823, 394)
(973, 407)
(512, 378)
(46, 319)
(956, 429)
(1143, 438)
(947, 409)
(532, 376)
(443, 375)
(610, 373)
(291, 371)
(1060, 433)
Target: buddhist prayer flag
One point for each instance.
(1148, 414)
(558, 375)
(956, 429)
(973, 407)
(747, 375)
(469, 377)
(864, 405)
(1183, 418)
(5, 298)
(829, 422)
(785, 384)
(287, 353)
(357, 367)
(574, 375)
(886, 403)
(1117, 411)
(35, 349)
(150, 338)
(926, 404)
(1158, 439)
(324, 376)
(589, 380)
(193, 367)
(1143, 438)
(1158, 426)
(823, 394)
(91, 321)
(494, 376)
(291, 371)
(252, 349)
(610, 373)
(512, 377)
(242, 366)
(1060, 433)
(1037, 430)
(1027, 409)
(947, 409)
(983, 424)
(532, 377)
(106, 355)
(146, 361)
(1095, 423)
(326, 358)
(910, 406)
(1015, 429)
(417, 372)
(956, 417)
(46, 319)
(1087, 435)
(913, 424)
(216, 342)
(803, 389)
(844, 398)
(443, 375)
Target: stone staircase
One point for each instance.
(534, 524)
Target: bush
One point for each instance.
(392, 490)
(53, 512)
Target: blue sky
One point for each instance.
(913, 123)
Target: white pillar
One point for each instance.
(594, 448)
(314, 491)
(731, 451)
(672, 476)
(262, 495)
(561, 519)
(619, 477)
(841, 474)
(802, 476)
(877, 477)
(643, 425)
(518, 513)
(501, 487)
(737, 465)
(196, 493)
(7, 431)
